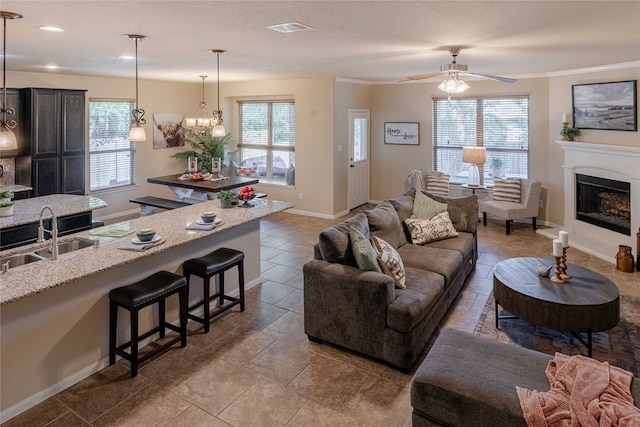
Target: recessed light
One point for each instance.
(52, 29)
(52, 67)
(126, 57)
(289, 27)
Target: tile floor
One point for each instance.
(257, 368)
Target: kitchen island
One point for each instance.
(54, 315)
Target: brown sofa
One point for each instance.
(363, 310)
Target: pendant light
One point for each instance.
(218, 128)
(7, 137)
(137, 134)
(201, 123)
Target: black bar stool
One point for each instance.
(134, 297)
(217, 262)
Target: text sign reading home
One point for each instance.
(402, 133)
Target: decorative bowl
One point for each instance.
(208, 217)
(145, 234)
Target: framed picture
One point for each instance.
(168, 130)
(605, 106)
(402, 133)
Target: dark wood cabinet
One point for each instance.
(52, 157)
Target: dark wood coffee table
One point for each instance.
(587, 303)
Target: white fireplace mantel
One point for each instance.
(616, 162)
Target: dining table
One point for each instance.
(195, 191)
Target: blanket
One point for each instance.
(415, 180)
(583, 392)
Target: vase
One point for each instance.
(6, 211)
(225, 203)
(624, 259)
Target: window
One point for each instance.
(112, 157)
(500, 124)
(267, 138)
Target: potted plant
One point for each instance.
(569, 133)
(6, 203)
(205, 148)
(496, 165)
(227, 198)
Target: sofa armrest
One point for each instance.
(346, 306)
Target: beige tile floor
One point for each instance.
(257, 368)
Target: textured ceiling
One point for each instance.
(375, 41)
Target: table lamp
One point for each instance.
(474, 156)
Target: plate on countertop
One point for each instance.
(216, 221)
(137, 241)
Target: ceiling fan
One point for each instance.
(453, 73)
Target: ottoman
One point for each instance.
(467, 380)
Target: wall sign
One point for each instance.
(402, 133)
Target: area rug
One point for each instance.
(619, 346)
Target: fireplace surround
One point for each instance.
(606, 163)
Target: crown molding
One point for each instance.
(610, 67)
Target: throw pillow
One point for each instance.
(390, 261)
(506, 189)
(424, 207)
(438, 184)
(290, 176)
(429, 230)
(366, 257)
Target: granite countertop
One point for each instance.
(28, 210)
(30, 279)
(15, 188)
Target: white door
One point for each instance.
(358, 158)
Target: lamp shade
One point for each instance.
(453, 85)
(137, 134)
(474, 155)
(7, 139)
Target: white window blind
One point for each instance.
(266, 138)
(112, 157)
(500, 124)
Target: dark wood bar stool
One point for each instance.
(153, 289)
(208, 266)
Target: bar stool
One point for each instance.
(134, 297)
(217, 262)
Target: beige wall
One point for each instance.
(560, 101)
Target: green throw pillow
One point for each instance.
(424, 207)
(366, 257)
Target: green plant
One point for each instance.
(5, 204)
(6, 199)
(6, 194)
(205, 148)
(227, 195)
(570, 132)
(496, 162)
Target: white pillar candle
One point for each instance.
(564, 238)
(565, 117)
(557, 248)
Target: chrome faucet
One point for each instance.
(53, 232)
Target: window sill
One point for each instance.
(275, 183)
(113, 190)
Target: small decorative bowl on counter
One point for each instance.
(208, 217)
(145, 234)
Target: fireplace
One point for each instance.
(604, 202)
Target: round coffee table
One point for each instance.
(588, 302)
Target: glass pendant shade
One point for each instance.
(7, 139)
(201, 123)
(137, 134)
(219, 130)
(453, 85)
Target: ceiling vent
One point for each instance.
(289, 27)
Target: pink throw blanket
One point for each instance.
(584, 392)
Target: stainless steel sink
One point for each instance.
(66, 246)
(17, 260)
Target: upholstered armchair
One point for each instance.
(504, 204)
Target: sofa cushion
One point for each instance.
(390, 261)
(463, 211)
(423, 289)
(424, 207)
(334, 242)
(384, 223)
(506, 189)
(463, 244)
(442, 261)
(430, 230)
(366, 257)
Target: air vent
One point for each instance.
(289, 27)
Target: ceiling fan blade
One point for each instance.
(490, 77)
(424, 76)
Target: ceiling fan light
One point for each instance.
(137, 134)
(453, 85)
(7, 139)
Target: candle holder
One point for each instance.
(563, 265)
(558, 272)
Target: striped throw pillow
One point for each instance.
(506, 189)
(438, 184)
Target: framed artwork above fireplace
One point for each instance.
(605, 106)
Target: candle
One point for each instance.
(557, 248)
(565, 117)
(564, 238)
